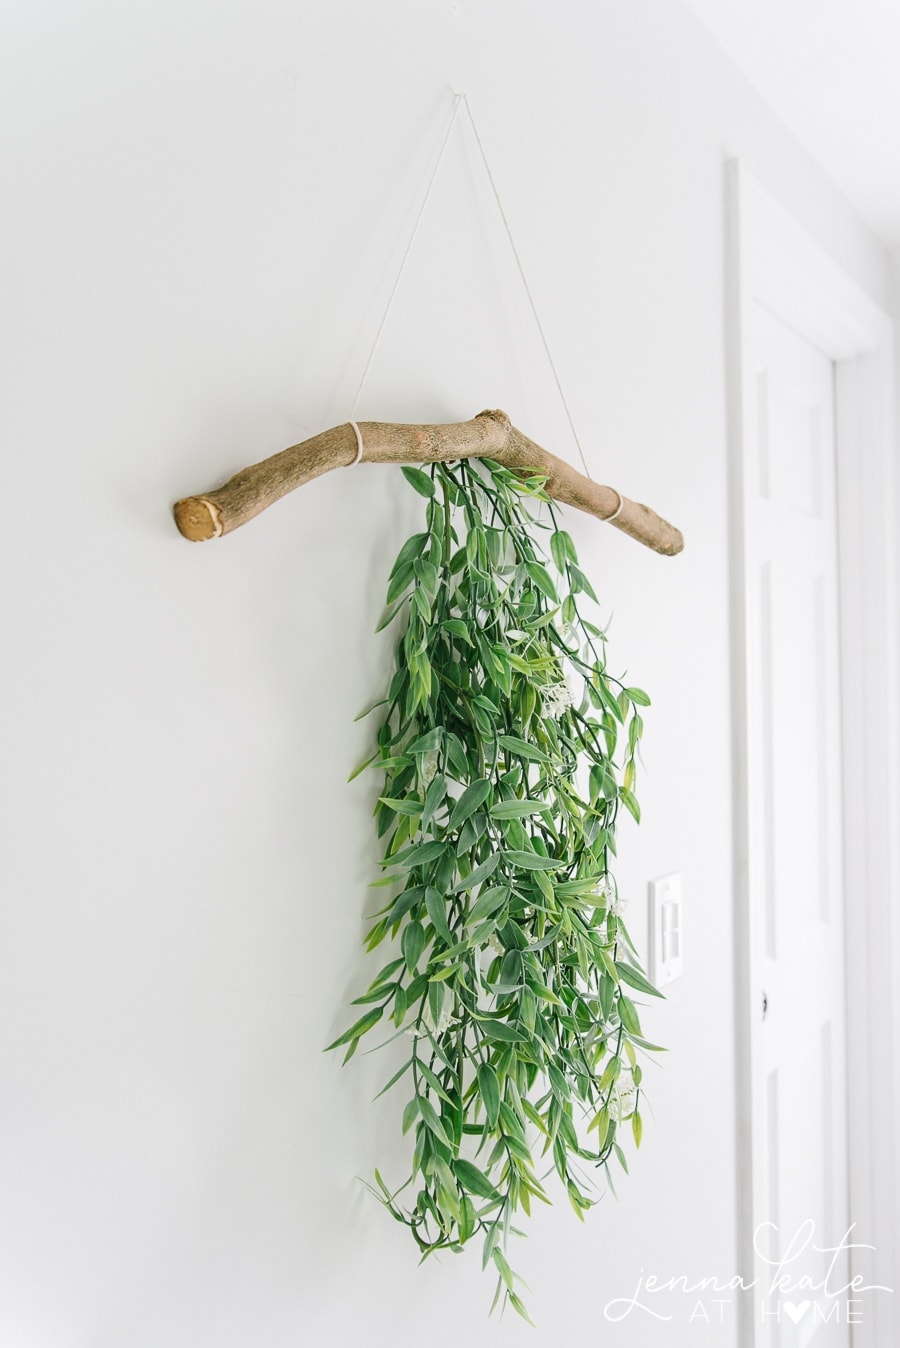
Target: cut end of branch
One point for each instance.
(497, 414)
(198, 518)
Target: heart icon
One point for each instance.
(796, 1312)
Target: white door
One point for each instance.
(800, 1161)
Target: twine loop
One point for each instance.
(459, 102)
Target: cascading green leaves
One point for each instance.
(507, 748)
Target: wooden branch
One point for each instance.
(489, 436)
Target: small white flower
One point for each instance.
(445, 1020)
(622, 1101)
(495, 944)
(607, 889)
(428, 766)
(557, 698)
(618, 904)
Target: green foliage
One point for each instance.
(507, 748)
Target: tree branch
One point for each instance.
(489, 436)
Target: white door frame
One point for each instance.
(772, 262)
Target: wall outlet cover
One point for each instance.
(666, 930)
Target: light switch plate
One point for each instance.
(666, 930)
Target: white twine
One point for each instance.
(459, 101)
(618, 510)
(412, 238)
(531, 299)
(359, 444)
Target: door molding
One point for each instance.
(773, 262)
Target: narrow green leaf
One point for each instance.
(473, 1179)
(370, 706)
(647, 1046)
(426, 574)
(517, 809)
(482, 872)
(581, 582)
(404, 902)
(424, 853)
(530, 861)
(356, 1031)
(433, 1121)
(558, 549)
(631, 804)
(523, 749)
(375, 995)
(542, 580)
(600, 1121)
(608, 700)
(441, 956)
(471, 799)
(385, 975)
(436, 994)
(519, 1307)
(629, 974)
(489, 901)
(610, 964)
(489, 1087)
(531, 1113)
(503, 1268)
(409, 807)
(422, 602)
(426, 743)
(382, 1186)
(421, 481)
(432, 1080)
(437, 911)
(411, 549)
(583, 886)
(399, 584)
(510, 975)
(611, 1074)
(457, 628)
(443, 973)
(457, 755)
(361, 767)
(499, 1029)
(389, 614)
(434, 797)
(412, 943)
(490, 1243)
(628, 1014)
(552, 935)
(395, 1078)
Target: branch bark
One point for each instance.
(489, 436)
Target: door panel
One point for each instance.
(796, 888)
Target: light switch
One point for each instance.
(666, 932)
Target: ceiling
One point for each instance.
(830, 69)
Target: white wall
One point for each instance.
(204, 208)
